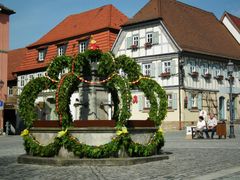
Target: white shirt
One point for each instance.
(212, 122)
(201, 124)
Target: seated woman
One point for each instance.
(201, 125)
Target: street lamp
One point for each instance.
(230, 68)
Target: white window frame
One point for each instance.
(192, 67)
(205, 69)
(194, 101)
(218, 72)
(22, 81)
(135, 39)
(170, 101)
(166, 66)
(41, 54)
(82, 46)
(147, 69)
(61, 50)
(147, 104)
(149, 38)
(10, 91)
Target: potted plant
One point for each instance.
(194, 74)
(148, 45)
(219, 77)
(207, 76)
(165, 74)
(134, 46)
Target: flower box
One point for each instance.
(194, 74)
(134, 47)
(219, 77)
(165, 74)
(207, 76)
(147, 45)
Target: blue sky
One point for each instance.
(34, 18)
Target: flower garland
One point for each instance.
(81, 150)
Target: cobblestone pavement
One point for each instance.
(190, 159)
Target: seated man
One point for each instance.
(211, 125)
(201, 125)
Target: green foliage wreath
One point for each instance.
(117, 75)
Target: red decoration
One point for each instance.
(135, 99)
(93, 44)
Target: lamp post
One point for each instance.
(230, 67)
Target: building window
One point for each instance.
(192, 67)
(205, 69)
(31, 77)
(149, 38)
(146, 69)
(82, 46)
(194, 101)
(146, 103)
(39, 74)
(10, 91)
(42, 54)
(62, 50)
(135, 40)
(170, 101)
(166, 66)
(218, 72)
(22, 81)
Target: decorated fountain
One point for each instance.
(102, 86)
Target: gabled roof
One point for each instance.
(15, 57)
(79, 24)
(234, 19)
(193, 29)
(6, 10)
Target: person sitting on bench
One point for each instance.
(201, 125)
(211, 125)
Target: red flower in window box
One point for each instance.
(194, 74)
(147, 45)
(134, 47)
(207, 76)
(219, 77)
(165, 74)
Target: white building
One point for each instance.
(186, 50)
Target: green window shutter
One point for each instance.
(189, 105)
(155, 38)
(174, 101)
(173, 67)
(152, 70)
(199, 101)
(129, 42)
(140, 102)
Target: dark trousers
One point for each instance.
(213, 130)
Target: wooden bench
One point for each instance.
(220, 130)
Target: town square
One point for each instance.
(100, 94)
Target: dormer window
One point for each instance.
(62, 49)
(135, 41)
(149, 38)
(42, 54)
(82, 46)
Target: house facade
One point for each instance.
(4, 47)
(70, 37)
(186, 50)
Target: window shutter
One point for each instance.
(187, 68)
(198, 67)
(64, 49)
(174, 101)
(173, 67)
(214, 72)
(140, 102)
(129, 42)
(159, 68)
(199, 101)
(153, 70)
(189, 105)
(155, 38)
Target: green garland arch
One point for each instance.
(79, 66)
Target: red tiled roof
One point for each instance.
(235, 20)
(193, 29)
(14, 59)
(78, 24)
